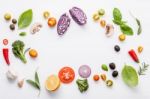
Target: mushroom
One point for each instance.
(35, 28)
(109, 30)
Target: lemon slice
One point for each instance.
(52, 83)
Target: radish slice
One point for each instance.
(84, 71)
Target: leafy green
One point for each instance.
(139, 26)
(118, 20)
(25, 19)
(18, 50)
(129, 76)
(82, 85)
(143, 68)
(22, 34)
(104, 67)
(126, 29)
(36, 77)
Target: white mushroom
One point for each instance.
(35, 28)
(109, 30)
(11, 74)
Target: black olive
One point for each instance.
(115, 73)
(112, 66)
(14, 21)
(12, 27)
(117, 48)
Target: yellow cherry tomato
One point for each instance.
(103, 23)
(140, 49)
(122, 37)
(46, 14)
(7, 16)
(96, 17)
(52, 22)
(33, 53)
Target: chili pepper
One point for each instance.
(6, 56)
(134, 56)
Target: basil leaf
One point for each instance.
(34, 84)
(117, 14)
(22, 34)
(130, 76)
(25, 19)
(139, 26)
(104, 67)
(119, 22)
(37, 78)
(126, 29)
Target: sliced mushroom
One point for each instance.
(35, 28)
(109, 30)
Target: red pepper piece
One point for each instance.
(6, 56)
(134, 56)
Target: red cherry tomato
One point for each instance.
(66, 75)
(5, 42)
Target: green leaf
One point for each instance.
(104, 67)
(37, 78)
(34, 84)
(139, 26)
(130, 76)
(126, 29)
(119, 22)
(22, 34)
(117, 14)
(25, 19)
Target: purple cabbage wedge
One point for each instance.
(63, 24)
(78, 15)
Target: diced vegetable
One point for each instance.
(82, 85)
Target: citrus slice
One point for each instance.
(52, 83)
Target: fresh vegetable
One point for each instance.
(96, 77)
(52, 83)
(23, 34)
(35, 83)
(51, 22)
(140, 49)
(12, 27)
(143, 68)
(18, 50)
(7, 16)
(122, 37)
(63, 24)
(33, 53)
(133, 55)
(25, 19)
(36, 27)
(11, 74)
(112, 66)
(103, 77)
(46, 14)
(96, 17)
(115, 73)
(6, 55)
(21, 83)
(130, 76)
(101, 12)
(109, 30)
(84, 71)
(118, 20)
(109, 83)
(117, 48)
(104, 67)
(78, 15)
(66, 75)
(5, 41)
(14, 21)
(103, 23)
(82, 85)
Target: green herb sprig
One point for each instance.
(143, 68)
(118, 20)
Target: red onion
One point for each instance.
(84, 71)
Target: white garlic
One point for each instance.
(35, 28)
(11, 74)
(109, 30)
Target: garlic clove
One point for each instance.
(20, 83)
(109, 30)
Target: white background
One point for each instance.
(80, 45)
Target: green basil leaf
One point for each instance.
(139, 26)
(22, 34)
(126, 29)
(104, 67)
(37, 78)
(130, 76)
(34, 84)
(119, 22)
(117, 14)
(25, 19)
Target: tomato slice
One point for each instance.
(5, 41)
(66, 75)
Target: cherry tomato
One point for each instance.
(5, 42)
(66, 75)
(51, 22)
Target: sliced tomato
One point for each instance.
(66, 75)
(5, 41)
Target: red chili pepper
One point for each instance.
(134, 56)
(6, 56)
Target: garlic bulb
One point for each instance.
(11, 74)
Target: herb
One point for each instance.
(25, 19)
(118, 20)
(35, 83)
(22, 34)
(143, 68)
(82, 85)
(104, 67)
(18, 50)
(139, 26)
(129, 76)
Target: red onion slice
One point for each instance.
(84, 71)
